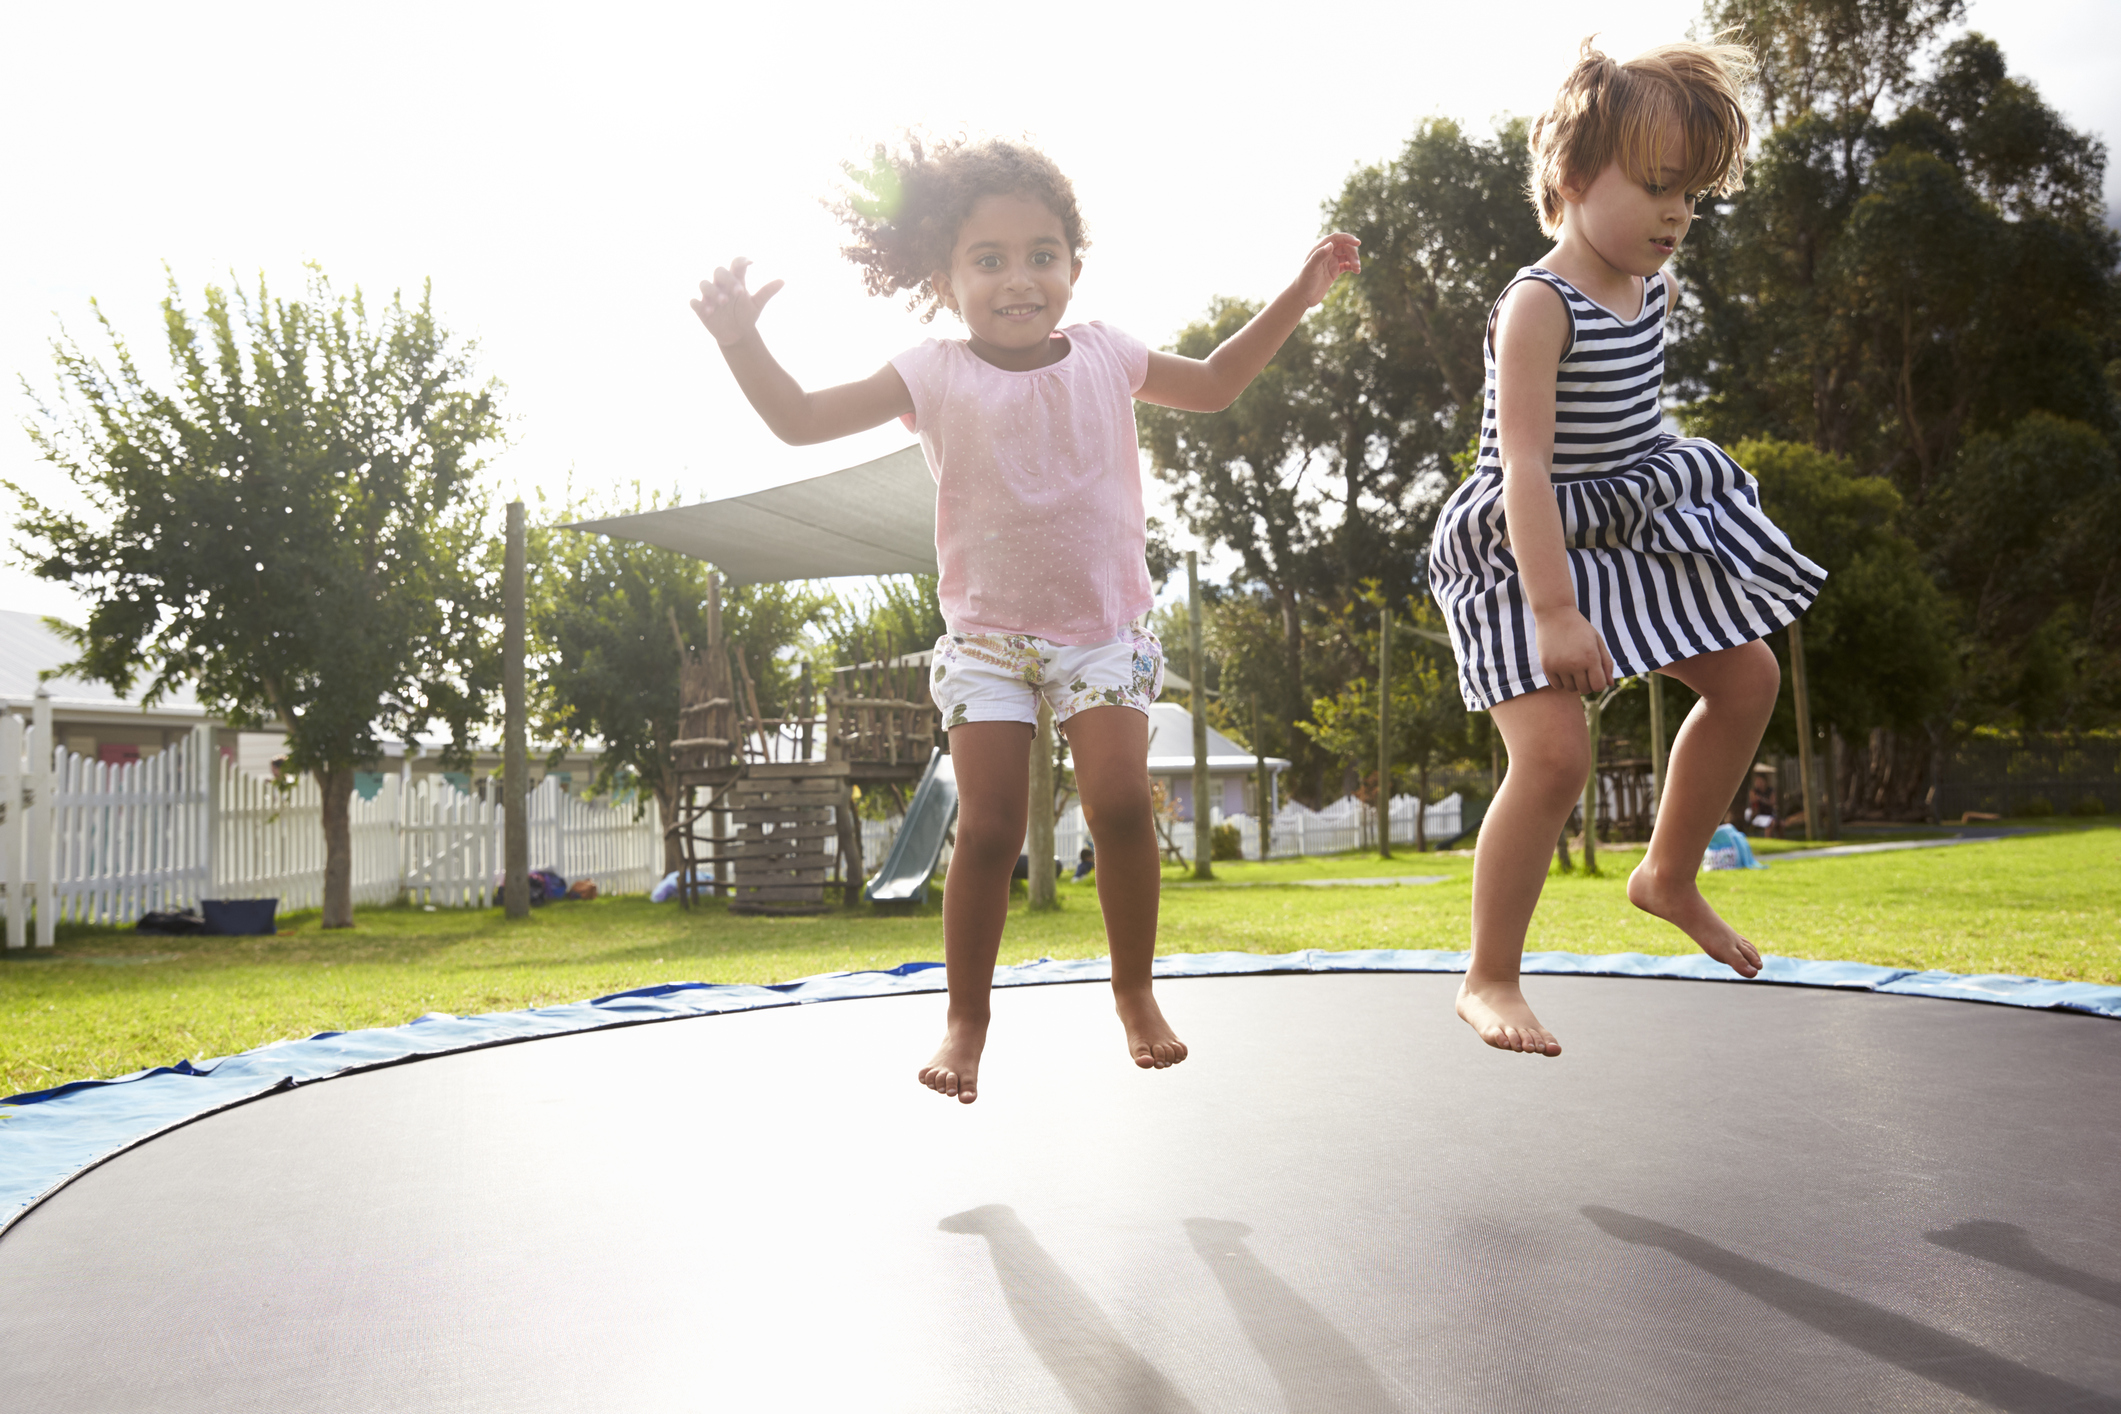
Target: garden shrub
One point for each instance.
(1225, 842)
(2036, 805)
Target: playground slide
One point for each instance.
(913, 854)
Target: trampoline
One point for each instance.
(1723, 1197)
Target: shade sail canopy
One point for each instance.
(875, 518)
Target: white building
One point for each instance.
(1230, 766)
(90, 719)
(93, 720)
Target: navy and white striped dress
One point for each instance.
(1670, 551)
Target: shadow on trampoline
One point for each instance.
(2009, 1245)
(1075, 1340)
(1317, 1367)
(1919, 1349)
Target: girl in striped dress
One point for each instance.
(1590, 544)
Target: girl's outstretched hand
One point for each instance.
(1331, 258)
(1572, 654)
(731, 312)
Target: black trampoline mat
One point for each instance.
(1723, 1197)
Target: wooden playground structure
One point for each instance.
(766, 812)
(1625, 797)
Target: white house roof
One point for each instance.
(875, 518)
(28, 647)
(1171, 746)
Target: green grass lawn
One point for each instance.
(106, 1001)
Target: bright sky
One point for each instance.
(565, 175)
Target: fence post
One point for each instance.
(204, 779)
(37, 819)
(515, 765)
(1802, 699)
(11, 832)
(560, 861)
(1203, 828)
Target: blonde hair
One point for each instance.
(1608, 110)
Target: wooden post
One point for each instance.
(1804, 726)
(37, 815)
(205, 767)
(1203, 825)
(718, 823)
(1384, 732)
(1038, 839)
(12, 795)
(1834, 758)
(850, 832)
(1593, 709)
(1657, 743)
(515, 750)
(1263, 801)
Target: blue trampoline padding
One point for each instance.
(48, 1137)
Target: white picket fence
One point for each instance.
(91, 841)
(1345, 824)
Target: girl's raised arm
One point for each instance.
(1213, 383)
(1531, 337)
(731, 314)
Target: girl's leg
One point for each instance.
(1550, 754)
(992, 761)
(1710, 758)
(1111, 750)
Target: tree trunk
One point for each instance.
(336, 782)
(666, 799)
(1038, 834)
(1197, 669)
(1384, 733)
(1302, 762)
(1421, 808)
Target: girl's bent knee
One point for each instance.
(1561, 763)
(1755, 676)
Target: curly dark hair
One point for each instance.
(906, 206)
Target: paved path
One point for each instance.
(1840, 849)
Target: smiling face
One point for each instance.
(1633, 225)
(1010, 279)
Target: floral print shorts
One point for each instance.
(999, 677)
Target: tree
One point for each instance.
(1920, 278)
(1880, 639)
(1429, 718)
(605, 619)
(901, 613)
(1885, 289)
(2025, 533)
(1841, 58)
(1236, 476)
(296, 527)
(1444, 226)
(1327, 473)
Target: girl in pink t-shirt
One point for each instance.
(1028, 427)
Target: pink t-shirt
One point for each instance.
(1038, 494)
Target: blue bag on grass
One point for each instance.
(1728, 850)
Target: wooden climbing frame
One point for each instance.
(756, 804)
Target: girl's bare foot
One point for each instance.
(955, 1068)
(1497, 1012)
(1150, 1039)
(1678, 901)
